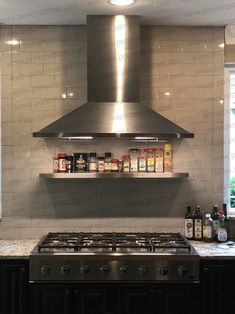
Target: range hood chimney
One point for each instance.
(113, 108)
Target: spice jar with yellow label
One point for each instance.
(126, 163)
(168, 157)
(150, 160)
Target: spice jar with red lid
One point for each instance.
(115, 165)
(62, 162)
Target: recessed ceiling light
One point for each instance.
(122, 2)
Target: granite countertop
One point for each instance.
(215, 250)
(12, 249)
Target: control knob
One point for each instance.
(85, 270)
(104, 270)
(182, 271)
(65, 270)
(143, 270)
(45, 270)
(124, 269)
(163, 270)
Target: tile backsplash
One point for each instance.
(182, 77)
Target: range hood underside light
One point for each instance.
(132, 137)
(78, 137)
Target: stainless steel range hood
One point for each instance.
(113, 108)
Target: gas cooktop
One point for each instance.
(114, 242)
(114, 257)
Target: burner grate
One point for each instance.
(113, 242)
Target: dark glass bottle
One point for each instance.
(215, 218)
(197, 223)
(188, 224)
(226, 220)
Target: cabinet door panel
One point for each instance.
(14, 288)
(182, 299)
(137, 300)
(94, 299)
(217, 287)
(52, 299)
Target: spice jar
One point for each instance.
(80, 162)
(167, 157)
(150, 160)
(142, 160)
(126, 163)
(159, 160)
(120, 165)
(100, 164)
(115, 165)
(107, 162)
(93, 162)
(69, 164)
(62, 162)
(55, 164)
(134, 159)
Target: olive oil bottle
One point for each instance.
(188, 224)
(197, 223)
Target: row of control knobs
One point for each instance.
(143, 270)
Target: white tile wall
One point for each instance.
(50, 61)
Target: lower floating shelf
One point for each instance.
(114, 175)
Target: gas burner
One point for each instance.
(114, 242)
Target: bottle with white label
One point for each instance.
(197, 223)
(188, 224)
(208, 234)
(222, 234)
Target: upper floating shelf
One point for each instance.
(113, 175)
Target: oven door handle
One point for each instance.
(67, 302)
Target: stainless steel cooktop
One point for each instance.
(114, 256)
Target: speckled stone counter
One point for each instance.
(13, 249)
(215, 250)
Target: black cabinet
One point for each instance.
(73, 299)
(98, 299)
(137, 299)
(182, 299)
(49, 299)
(215, 294)
(14, 287)
(115, 299)
(217, 286)
(160, 299)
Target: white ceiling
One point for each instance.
(158, 12)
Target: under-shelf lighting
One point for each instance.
(122, 3)
(80, 138)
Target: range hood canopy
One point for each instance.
(113, 108)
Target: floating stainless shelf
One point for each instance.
(118, 175)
